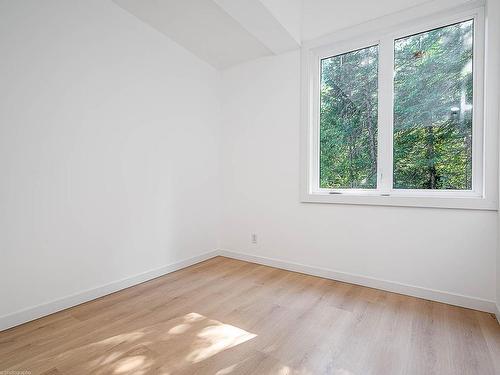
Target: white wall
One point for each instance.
(289, 14)
(493, 24)
(453, 251)
(321, 17)
(109, 142)
(109, 167)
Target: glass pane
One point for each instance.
(433, 109)
(348, 120)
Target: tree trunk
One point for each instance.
(370, 127)
(432, 183)
(468, 150)
(351, 157)
(371, 134)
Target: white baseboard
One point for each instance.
(32, 313)
(390, 286)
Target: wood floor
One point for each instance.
(225, 316)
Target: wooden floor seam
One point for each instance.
(227, 316)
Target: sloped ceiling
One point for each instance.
(223, 33)
(320, 17)
(229, 32)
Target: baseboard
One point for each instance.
(32, 313)
(26, 315)
(390, 286)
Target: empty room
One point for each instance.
(289, 187)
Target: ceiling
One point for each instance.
(228, 32)
(320, 17)
(221, 32)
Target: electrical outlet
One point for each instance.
(254, 238)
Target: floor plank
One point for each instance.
(225, 316)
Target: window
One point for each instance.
(348, 120)
(433, 107)
(398, 120)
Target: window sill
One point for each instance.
(469, 202)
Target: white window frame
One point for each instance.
(484, 185)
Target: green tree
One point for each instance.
(432, 113)
(348, 121)
(433, 109)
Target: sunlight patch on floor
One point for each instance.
(162, 347)
(227, 370)
(127, 365)
(216, 338)
(178, 329)
(173, 345)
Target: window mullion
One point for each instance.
(385, 115)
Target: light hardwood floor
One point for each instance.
(225, 316)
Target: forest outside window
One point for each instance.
(348, 120)
(433, 107)
(398, 120)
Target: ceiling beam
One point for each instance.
(259, 21)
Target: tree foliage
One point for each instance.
(348, 120)
(432, 139)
